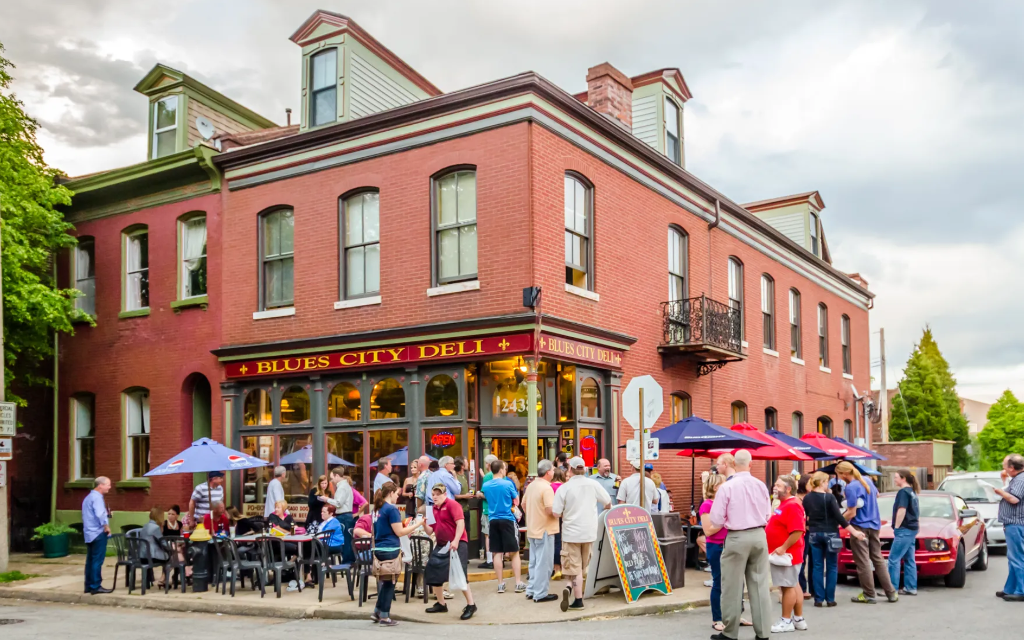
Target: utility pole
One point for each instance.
(883, 394)
(4, 515)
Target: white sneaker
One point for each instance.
(707, 569)
(800, 624)
(783, 626)
(448, 595)
(709, 583)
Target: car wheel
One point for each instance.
(957, 578)
(981, 562)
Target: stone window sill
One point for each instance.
(771, 352)
(273, 313)
(795, 360)
(197, 301)
(583, 293)
(83, 483)
(455, 287)
(357, 302)
(133, 483)
(848, 376)
(135, 313)
(824, 369)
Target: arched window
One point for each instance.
(771, 418)
(256, 409)
(442, 397)
(136, 430)
(795, 340)
(510, 397)
(84, 269)
(825, 425)
(294, 406)
(823, 335)
(590, 398)
(844, 338)
(768, 310)
(739, 412)
(83, 425)
(677, 264)
(344, 403)
(387, 400)
(277, 257)
(736, 292)
(579, 227)
(455, 226)
(680, 406)
(323, 88)
(360, 260)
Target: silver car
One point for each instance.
(977, 489)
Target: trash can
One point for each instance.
(672, 540)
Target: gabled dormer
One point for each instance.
(348, 74)
(184, 112)
(798, 217)
(658, 99)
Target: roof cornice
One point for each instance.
(147, 87)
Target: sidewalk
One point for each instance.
(60, 580)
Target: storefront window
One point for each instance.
(567, 394)
(387, 401)
(299, 464)
(443, 442)
(256, 480)
(257, 408)
(393, 443)
(590, 446)
(511, 394)
(347, 447)
(344, 403)
(472, 461)
(294, 406)
(472, 391)
(442, 397)
(590, 399)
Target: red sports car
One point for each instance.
(951, 538)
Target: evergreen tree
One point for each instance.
(33, 231)
(1004, 432)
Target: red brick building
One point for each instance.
(367, 270)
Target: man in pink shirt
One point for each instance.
(743, 507)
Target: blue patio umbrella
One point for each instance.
(399, 458)
(800, 445)
(305, 456)
(865, 450)
(206, 455)
(864, 471)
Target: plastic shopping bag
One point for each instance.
(456, 576)
(406, 546)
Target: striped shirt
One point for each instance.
(201, 496)
(1013, 513)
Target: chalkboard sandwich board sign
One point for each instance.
(636, 551)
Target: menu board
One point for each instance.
(636, 551)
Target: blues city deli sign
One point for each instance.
(383, 356)
(564, 348)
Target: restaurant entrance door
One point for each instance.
(513, 452)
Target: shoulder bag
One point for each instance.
(392, 567)
(835, 543)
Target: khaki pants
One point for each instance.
(870, 563)
(745, 555)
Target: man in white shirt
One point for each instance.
(383, 474)
(275, 491)
(574, 503)
(629, 489)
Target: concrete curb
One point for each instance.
(268, 610)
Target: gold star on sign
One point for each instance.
(244, 369)
(503, 344)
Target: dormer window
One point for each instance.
(673, 147)
(165, 127)
(324, 94)
(814, 234)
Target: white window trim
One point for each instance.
(581, 292)
(126, 274)
(156, 131)
(771, 352)
(796, 361)
(743, 344)
(75, 279)
(824, 369)
(279, 312)
(357, 302)
(76, 452)
(182, 270)
(848, 376)
(455, 287)
(129, 439)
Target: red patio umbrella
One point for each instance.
(773, 450)
(833, 448)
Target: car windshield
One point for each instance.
(930, 507)
(970, 489)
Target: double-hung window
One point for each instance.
(455, 226)
(736, 292)
(84, 428)
(823, 335)
(814, 234)
(323, 93)
(361, 229)
(768, 310)
(165, 126)
(278, 259)
(85, 275)
(673, 145)
(845, 338)
(677, 261)
(136, 414)
(578, 228)
(136, 270)
(193, 257)
(795, 341)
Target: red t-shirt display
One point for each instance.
(787, 518)
(445, 518)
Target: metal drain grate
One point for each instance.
(10, 621)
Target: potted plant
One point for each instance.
(55, 538)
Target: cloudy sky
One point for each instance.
(906, 116)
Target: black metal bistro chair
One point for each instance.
(362, 569)
(422, 547)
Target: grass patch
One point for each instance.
(13, 576)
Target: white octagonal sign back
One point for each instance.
(654, 403)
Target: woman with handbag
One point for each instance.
(387, 549)
(823, 521)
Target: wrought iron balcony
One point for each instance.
(704, 329)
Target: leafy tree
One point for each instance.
(33, 231)
(929, 407)
(1004, 432)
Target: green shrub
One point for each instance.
(51, 529)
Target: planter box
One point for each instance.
(55, 546)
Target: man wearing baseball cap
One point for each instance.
(629, 489)
(574, 503)
(203, 497)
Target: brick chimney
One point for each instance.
(610, 92)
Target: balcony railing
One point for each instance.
(702, 324)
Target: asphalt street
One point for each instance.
(937, 613)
